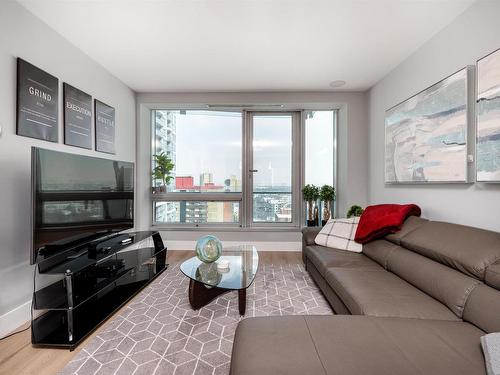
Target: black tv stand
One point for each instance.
(92, 284)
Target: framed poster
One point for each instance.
(37, 102)
(77, 117)
(104, 127)
(426, 136)
(488, 118)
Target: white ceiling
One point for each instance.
(247, 45)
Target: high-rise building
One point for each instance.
(230, 212)
(206, 178)
(215, 212)
(165, 137)
(235, 183)
(184, 183)
(193, 212)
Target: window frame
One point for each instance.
(194, 196)
(245, 197)
(335, 184)
(296, 171)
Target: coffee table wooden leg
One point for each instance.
(242, 300)
(200, 295)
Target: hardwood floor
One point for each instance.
(17, 356)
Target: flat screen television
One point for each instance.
(77, 199)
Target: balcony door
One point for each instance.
(272, 169)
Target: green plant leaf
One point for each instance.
(310, 192)
(327, 193)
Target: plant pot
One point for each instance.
(327, 211)
(311, 214)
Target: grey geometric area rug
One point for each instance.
(159, 332)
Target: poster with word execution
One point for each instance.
(37, 102)
(104, 127)
(77, 117)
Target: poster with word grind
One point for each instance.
(37, 102)
(104, 127)
(77, 117)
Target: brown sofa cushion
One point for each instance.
(334, 300)
(367, 345)
(325, 257)
(412, 223)
(469, 250)
(351, 345)
(379, 251)
(274, 346)
(445, 284)
(492, 276)
(483, 308)
(382, 293)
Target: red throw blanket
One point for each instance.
(380, 220)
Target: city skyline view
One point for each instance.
(204, 139)
(206, 148)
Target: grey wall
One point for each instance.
(23, 35)
(352, 151)
(471, 36)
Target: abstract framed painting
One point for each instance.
(427, 136)
(488, 119)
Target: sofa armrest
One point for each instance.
(308, 235)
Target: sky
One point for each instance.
(209, 141)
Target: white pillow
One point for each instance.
(339, 234)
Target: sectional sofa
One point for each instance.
(415, 302)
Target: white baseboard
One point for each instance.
(261, 246)
(15, 318)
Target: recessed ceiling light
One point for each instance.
(337, 83)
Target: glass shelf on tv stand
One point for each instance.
(74, 306)
(84, 256)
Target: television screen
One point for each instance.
(78, 198)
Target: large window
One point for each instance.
(320, 147)
(271, 168)
(205, 147)
(239, 168)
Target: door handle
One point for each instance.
(253, 170)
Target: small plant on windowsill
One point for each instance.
(162, 172)
(327, 196)
(311, 195)
(355, 210)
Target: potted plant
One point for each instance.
(355, 210)
(311, 195)
(327, 196)
(162, 170)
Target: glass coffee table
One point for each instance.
(207, 282)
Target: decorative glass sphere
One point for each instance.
(208, 248)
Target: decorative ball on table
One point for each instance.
(208, 274)
(208, 249)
